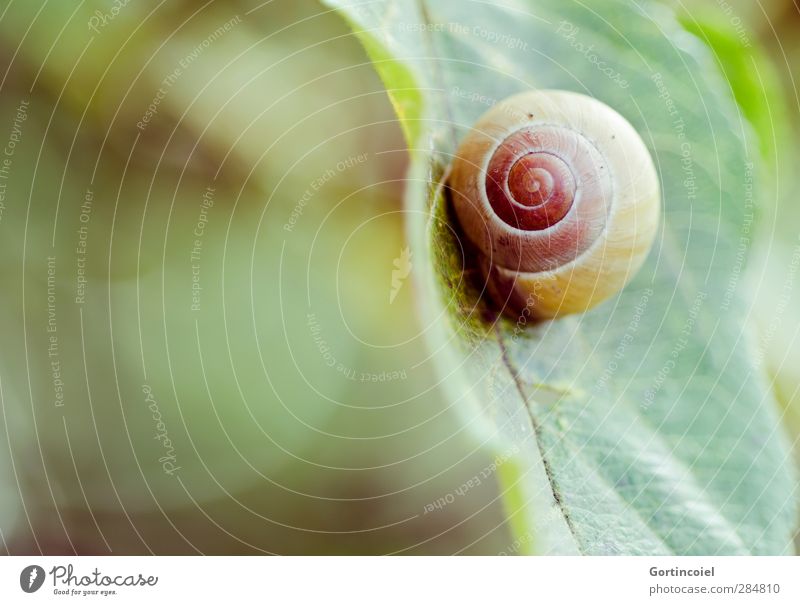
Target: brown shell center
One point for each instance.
(542, 178)
(530, 189)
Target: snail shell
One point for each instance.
(560, 195)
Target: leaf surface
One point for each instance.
(644, 426)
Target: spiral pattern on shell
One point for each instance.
(560, 196)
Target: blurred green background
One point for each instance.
(202, 347)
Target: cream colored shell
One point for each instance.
(625, 183)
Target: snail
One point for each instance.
(560, 197)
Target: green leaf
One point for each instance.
(644, 426)
(751, 77)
